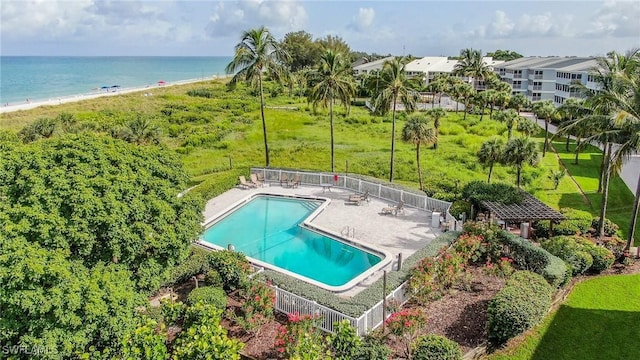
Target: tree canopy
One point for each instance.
(506, 55)
(99, 200)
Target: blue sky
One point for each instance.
(420, 28)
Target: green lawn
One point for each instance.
(599, 320)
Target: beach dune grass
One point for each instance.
(599, 320)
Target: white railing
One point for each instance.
(378, 190)
(290, 303)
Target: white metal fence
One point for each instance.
(290, 303)
(378, 190)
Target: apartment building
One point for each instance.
(429, 67)
(548, 78)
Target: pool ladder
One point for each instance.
(348, 232)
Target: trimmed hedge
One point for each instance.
(219, 182)
(528, 256)
(521, 304)
(580, 254)
(209, 295)
(196, 263)
(364, 300)
(436, 347)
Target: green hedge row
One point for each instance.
(220, 182)
(580, 254)
(528, 256)
(196, 263)
(521, 304)
(364, 300)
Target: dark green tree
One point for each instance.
(490, 153)
(303, 51)
(505, 55)
(417, 131)
(518, 152)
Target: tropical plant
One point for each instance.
(405, 326)
(344, 342)
(417, 131)
(571, 109)
(257, 53)
(547, 111)
(527, 127)
(471, 65)
(332, 81)
(519, 102)
(140, 131)
(146, 342)
(556, 176)
(491, 152)
(436, 114)
(394, 87)
(520, 151)
(510, 118)
(42, 128)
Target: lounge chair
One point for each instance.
(293, 183)
(254, 180)
(357, 199)
(245, 184)
(284, 180)
(394, 209)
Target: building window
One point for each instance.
(591, 78)
(517, 74)
(537, 74)
(536, 96)
(537, 85)
(517, 84)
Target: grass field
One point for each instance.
(214, 127)
(599, 320)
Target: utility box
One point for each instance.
(435, 220)
(524, 230)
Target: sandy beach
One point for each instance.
(98, 93)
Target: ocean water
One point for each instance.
(41, 78)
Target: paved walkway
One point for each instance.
(630, 168)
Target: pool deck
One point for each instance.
(404, 233)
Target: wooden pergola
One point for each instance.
(529, 210)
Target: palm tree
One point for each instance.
(519, 102)
(482, 99)
(491, 97)
(394, 87)
(527, 127)
(547, 111)
(458, 90)
(141, 131)
(467, 94)
(571, 109)
(333, 80)
(472, 66)
(417, 131)
(491, 152)
(436, 114)
(257, 53)
(520, 151)
(510, 117)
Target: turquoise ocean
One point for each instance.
(42, 78)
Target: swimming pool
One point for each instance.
(274, 231)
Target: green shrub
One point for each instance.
(196, 263)
(520, 305)
(172, 312)
(478, 191)
(436, 347)
(213, 278)
(202, 92)
(208, 295)
(232, 266)
(460, 206)
(146, 342)
(610, 228)
(603, 258)
(372, 349)
(219, 183)
(566, 248)
(344, 342)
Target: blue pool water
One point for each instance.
(266, 228)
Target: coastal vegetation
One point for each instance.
(97, 216)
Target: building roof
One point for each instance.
(551, 62)
(373, 65)
(441, 64)
(531, 209)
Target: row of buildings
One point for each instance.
(538, 78)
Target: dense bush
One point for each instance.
(477, 191)
(581, 254)
(610, 228)
(232, 266)
(372, 349)
(344, 342)
(577, 222)
(209, 295)
(521, 304)
(196, 263)
(219, 182)
(436, 347)
(172, 312)
(146, 342)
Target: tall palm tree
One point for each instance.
(571, 109)
(491, 152)
(527, 127)
(468, 95)
(510, 118)
(547, 111)
(394, 87)
(458, 90)
(482, 99)
(257, 53)
(436, 114)
(520, 151)
(332, 80)
(417, 131)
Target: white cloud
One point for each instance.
(231, 18)
(617, 19)
(363, 20)
(526, 26)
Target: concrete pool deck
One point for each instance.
(404, 233)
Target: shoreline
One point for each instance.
(87, 96)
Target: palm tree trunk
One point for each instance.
(490, 172)
(491, 112)
(331, 122)
(457, 104)
(419, 167)
(602, 167)
(264, 123)
(393, 137)
(482, 112)
(518, 168)
(577, 150)
(546, 137)
(634, 217)
(566, 144)
(435, 143)
(605, 192)
(466, 110)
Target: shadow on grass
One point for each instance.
(576, 200)
(590, 334)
